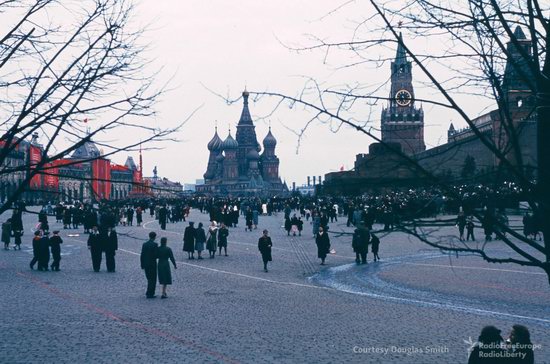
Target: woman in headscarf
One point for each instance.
(212, 239)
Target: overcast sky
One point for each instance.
(224, 46)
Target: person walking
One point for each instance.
(35, 248)
(288, 226)
(163, 215)
(6, 234)
(189, 240)
(255, 217)
(111, 246)
(264, 246)
(223, 233)
(470, 229)
(55, 246)
(95, 247)
(130, 216)
(375, 244)
(148, 260)
(212, 239)
(164, 273)
(139, 216)
(323, 244)
(360, 244)
(249, 217)
(200, 239)
(44, 252)
(461, 223)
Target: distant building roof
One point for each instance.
(130, 164)
(88, 150)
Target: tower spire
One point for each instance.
(140, 164)
(401, 54)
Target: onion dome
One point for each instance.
(253, 155)
(230, 143)
(269, 140)
(216, 143)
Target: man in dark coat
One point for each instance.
(360, 244)
(264, 246)
(35, 248)
(223, 233)
(96, 248)
(163, 215)
(111, 246)
(323, 244)
(148, 258)
(44, 252)
(6, 234)
(130, 215)
(55, 245)
(189, 240)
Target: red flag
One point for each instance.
(342, 168)
(85, 120)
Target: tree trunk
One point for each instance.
(543, 156)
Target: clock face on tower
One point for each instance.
(403, 97)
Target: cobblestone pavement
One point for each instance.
(415, 306)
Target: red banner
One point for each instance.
(101, 174)
(35, 156)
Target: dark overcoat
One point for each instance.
(323, 245)
(264, 246)
(189, 239)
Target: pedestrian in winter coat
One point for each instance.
(360, 244)
(223, 233)
(264, 246)
(6, 234)
(96, 248)
(470, 229)
(200, 239)
(148, 259)
(44, 252)
(35, 248)
(111, 246)
(323, 245)
(249, 219)
(55, 246)
(294, 225)
(461, 223)
(164, 273)
(189, 240)
(255, 218)
(288, 225)
(212, 239)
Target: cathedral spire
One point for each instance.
(245, 115)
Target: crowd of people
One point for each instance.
(361, 212)
(388, 209)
